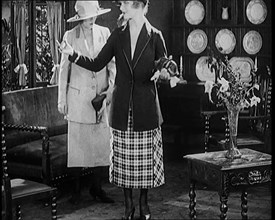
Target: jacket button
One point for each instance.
(93, 87)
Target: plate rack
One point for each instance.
(239, 17)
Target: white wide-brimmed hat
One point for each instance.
(87, 9)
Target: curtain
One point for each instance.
(54, 18)
(20, 35)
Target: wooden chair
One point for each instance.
(254, 129)
(17, 191)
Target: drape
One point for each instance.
(20, 35)
(54, 18)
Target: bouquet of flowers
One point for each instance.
(229, 88)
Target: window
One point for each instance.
(36, 55)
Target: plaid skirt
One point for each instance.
(136, 158)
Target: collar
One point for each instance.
(147, 24)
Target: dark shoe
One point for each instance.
(145, 216)
(75, 198)
(100, 195)
(130, 215)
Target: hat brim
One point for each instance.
(77, 18)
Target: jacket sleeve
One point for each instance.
(99, 62)
(111, 66)
(161, 50)
(63, 74)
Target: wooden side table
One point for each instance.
(223, 174)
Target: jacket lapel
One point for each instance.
(125, 44)
(96, 38)
(143, 39)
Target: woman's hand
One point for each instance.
(65, 47)
(63, 108)
(108, 94)
(163, 75)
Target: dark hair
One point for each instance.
(145, 2)
(136, 4)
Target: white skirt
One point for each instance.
(88, 145)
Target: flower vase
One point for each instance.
(233, 115)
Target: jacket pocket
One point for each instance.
(80, 108)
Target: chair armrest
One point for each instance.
(207, 115)
(211, 113)
(246, 117)
(25, 127)
(254, 117)
(40, 129)
(45, 145)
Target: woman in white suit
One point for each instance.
(88, 130)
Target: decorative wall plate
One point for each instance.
(197, 41)
(252, 42)
(203, 72)
(243, 65)
(256, 11)
(194, 12)
(225, 41)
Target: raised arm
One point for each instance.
(111, 66)
(96, 64)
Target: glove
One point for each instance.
(63, 108)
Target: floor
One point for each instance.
(170, 201)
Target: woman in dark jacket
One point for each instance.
(135, 116)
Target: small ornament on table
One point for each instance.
(183, 81)
(256, 64)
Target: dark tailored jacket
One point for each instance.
(133, 86)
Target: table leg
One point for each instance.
(224, 192)
(244, 204)
(223, 206)
(192, 204)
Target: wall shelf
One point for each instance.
(211, 23)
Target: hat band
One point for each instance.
(77, 16)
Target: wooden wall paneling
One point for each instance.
(268, 19)
(213, 32)
(178, 12)
(233, 13)
(239, 40)
(192, 73)
(238, 45)
(240, 6)
(177, 42)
